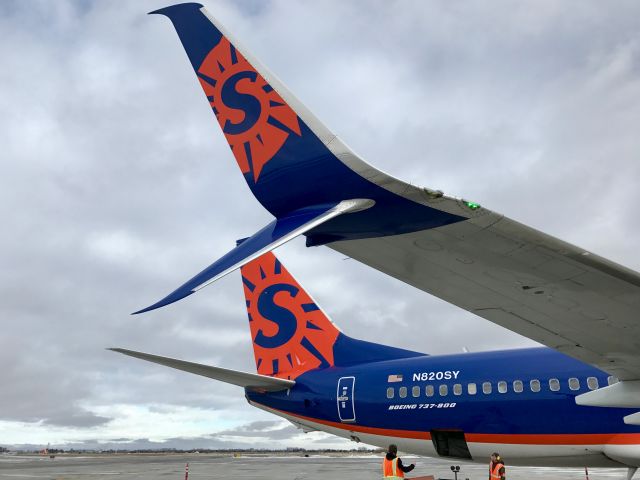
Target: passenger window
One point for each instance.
(611, 380)
(486, 388)
(574, 384)
(534, 385)
(443, 390)
(429, 390)
(592, 383)
(415, 391)
(472, 389)
(403, 392)
(502, 387)
(390, 392)
(457, 389)
(554, 384)
(517, 386)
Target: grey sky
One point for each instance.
(117, 186)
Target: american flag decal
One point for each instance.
(394, 378)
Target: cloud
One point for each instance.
(263, 429)
(77, 419)
(260, 434)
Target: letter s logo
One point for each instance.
(246, 103)
(281, 316)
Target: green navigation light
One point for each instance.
(471, 205)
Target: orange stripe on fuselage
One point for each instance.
(503, 438)
(358, 428)
(556, 438)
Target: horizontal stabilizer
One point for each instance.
(235, 377)
(272, 236)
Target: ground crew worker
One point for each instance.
(496, 467)
(392, 467)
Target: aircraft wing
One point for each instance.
(522, 279)
(253, 381)
(534, 284)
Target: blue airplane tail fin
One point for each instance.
(291, 334)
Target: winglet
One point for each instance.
(173, 297)
(288, 157)
(194, 30)
(272, 236)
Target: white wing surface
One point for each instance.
(531, 283)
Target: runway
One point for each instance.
(212, 466)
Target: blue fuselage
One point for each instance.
(413, 398)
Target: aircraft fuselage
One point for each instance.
(466, 406)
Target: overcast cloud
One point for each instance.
(117, 185)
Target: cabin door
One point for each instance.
(346, 408)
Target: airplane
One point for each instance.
(573, 402)
(464, 406)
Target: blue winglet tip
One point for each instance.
(168, 300)
(166, 10)
(147, 309)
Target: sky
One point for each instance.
(117, 186)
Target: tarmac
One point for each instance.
(216, 466)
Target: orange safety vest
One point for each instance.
(494, 471)
(390, 469)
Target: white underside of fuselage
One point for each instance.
(518, 454)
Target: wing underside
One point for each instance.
(531, 283)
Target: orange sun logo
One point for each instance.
(291, 335)
(254, 118)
